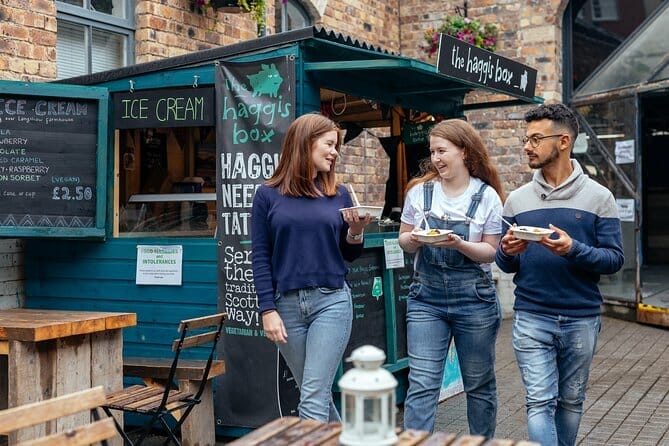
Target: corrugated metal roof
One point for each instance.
(224, 52)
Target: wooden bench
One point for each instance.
(200, 426)
(72, 431)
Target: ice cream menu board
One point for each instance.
(48, 162)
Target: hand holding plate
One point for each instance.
(559, 246)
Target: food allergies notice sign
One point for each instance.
(461, 60)
(52, 159)
(159, 265)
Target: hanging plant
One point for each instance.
(255, 7)
(462, 28)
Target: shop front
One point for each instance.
(623, 106)
(181, 146)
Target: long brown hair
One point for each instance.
(476, 159)
(294, 176)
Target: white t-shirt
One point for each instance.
(487, 219)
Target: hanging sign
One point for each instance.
(469, 63)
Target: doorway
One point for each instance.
(655, 199)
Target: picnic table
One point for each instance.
(293, 431)
(49, 353)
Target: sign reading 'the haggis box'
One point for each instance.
(467, 62)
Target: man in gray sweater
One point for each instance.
(558, 303)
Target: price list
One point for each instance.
(48, 155)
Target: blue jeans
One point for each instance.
(318, 322)
(463, 306)
(554, 354)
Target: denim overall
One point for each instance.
(451, 297)
(439, 257)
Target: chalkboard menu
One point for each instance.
(48, 165)
(402, 282)
(369, 313)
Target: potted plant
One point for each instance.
(462, 28)
(255, 7)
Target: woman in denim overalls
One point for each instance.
(452, 295)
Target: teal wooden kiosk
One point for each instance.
(174, 152)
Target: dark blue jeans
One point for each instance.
(461, 305)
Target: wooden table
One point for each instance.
(48, 353)
(293, 431)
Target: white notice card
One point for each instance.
(159, 264)
(394, 254)
(625, 209)
(625, 151)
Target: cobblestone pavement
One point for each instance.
(627, 401)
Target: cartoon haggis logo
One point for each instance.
(266, 81)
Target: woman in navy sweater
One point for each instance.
(300, 245)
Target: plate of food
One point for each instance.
(374, 211)
(431, 235)
(531, 233)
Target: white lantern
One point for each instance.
(368, 400)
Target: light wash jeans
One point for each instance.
(318, 322)
(554, 354)
(461, 305)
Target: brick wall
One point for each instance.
(27, 40)
(530, 33)
(371, 21)
(170, 28)
(364, 164)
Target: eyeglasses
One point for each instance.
(535, 140)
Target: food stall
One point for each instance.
(187, 141)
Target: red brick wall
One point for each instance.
(166, 29)
(27, 40)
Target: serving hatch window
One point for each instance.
(166, 163)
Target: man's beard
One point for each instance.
(555, 154)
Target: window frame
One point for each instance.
(608, 10)
(283, 14)
(92, 20)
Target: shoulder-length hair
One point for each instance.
(476, 159)
(294, 176)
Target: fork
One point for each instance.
(427, 225)
(506, 221)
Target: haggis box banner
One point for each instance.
(255, 104)
(461, 60)
(186, 107)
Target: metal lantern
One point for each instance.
(368, 400)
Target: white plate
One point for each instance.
(430, 236)
(530, 232)
(374, 211)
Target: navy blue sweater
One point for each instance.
(564, 285)
(298, 242)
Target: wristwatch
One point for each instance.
(355, 237)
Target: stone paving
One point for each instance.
(627, 400)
